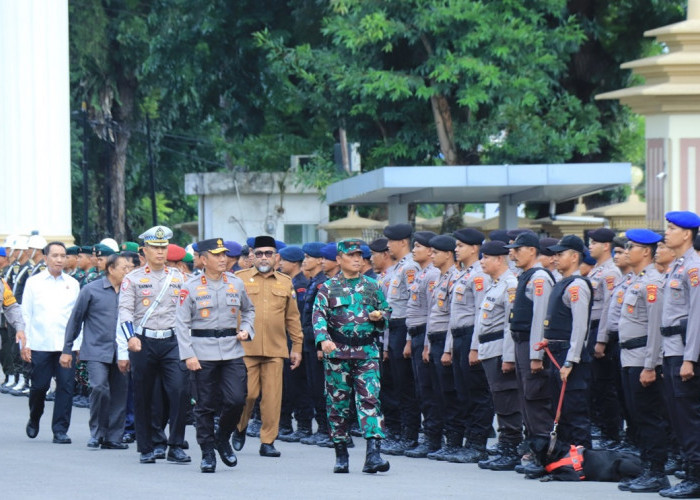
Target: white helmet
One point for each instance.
(110, 243)
(21, 243)
(37, 242)
(10, 240)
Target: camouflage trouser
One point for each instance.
(342, 376)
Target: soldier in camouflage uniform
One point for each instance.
(349, 313)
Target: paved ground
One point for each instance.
(40, 469)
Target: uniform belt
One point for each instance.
(670, 331)
(397, 322)
(556, 345)
(414, 331)
(352, 341)
(490, 337)
(634, 343)
(226, 332)
(437, 336)
(613, 335)
(520, 335)
(462, 331)
(158, 334)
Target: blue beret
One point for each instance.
(292, 254)
(195, 247)
(329, 251)
(398, 231)
(495, 247)
(643, 236)
(313, 249)
(423, 237)
(684, 219)
(443, 242)
(3, 253)
(366, 252)
(602, 235)
(233, 249)
(469, 236)
(587, 259)
(250, 242)
(280, 244)
(499, 235)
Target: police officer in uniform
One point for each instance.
(640, 343)
(527, 329)
(492, 345)
(680, 328)
(566, 328)
(603, 277)
(147, 303)
(403, 276)
(214, 316)
(475, 404)
(349, 314)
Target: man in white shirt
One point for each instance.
(46, 306)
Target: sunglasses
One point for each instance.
(629, 245)
(267, 253)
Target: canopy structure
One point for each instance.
(508, 185)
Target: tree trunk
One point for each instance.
(124, 114)
(445, 131)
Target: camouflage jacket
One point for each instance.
(341, 314)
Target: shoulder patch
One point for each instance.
(479, 284)
(652, 292)
(410, 276)
(125, 284)
(693, 276)
(610, 282)
(183, 295)
(539, 286)
(511, 295)
(573, 293)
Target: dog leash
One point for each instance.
(553, 435)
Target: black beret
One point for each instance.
(398, 231)
(423, 237)
(602, 235)
(496, 247)
(469, 236)
(443, 242)
(545, 243)
(379, 245)
(499, 235)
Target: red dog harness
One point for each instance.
(573, 459)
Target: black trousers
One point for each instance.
(221, 387)
(390, 403)
(45, 366)
(7, 355)
(648, 411)
(575, 421)
(444, 381)
(402, 378)
(107, 400)
(535, 393)
(317, 383)
(428, 394)
(296, 395)
(684, 407)
(605, 397)
(158, 356)
(504, 390)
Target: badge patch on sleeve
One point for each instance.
(610, 282)
(125, 284)
(183, 295)
(511, 295)
(539, 287)
(573, 293)
(479, 284)
(652, 291)
(693, 276)
(410, 276)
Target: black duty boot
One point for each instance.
(303, 431)
(673, 464)
(208, 461)
(624, 485)
(407, 441)
(421, 451)
(653, 481)
(508, 459)
(453, 443)
(373, 460)
(472, 454)
(341, 458)
(284, 433)
(688, 488)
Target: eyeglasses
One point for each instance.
(267, 253)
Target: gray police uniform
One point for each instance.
(680, 328)
(159, 353)
(473, 393)
(494, 343)
(403, 276)
(209, 315)
(640, 343)
(527, 328)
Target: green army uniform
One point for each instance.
(341, 314)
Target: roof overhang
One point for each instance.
(478, 183)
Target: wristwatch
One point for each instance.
(568, 364)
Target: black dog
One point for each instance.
(592, 465)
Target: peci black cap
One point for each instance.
(264, 241)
